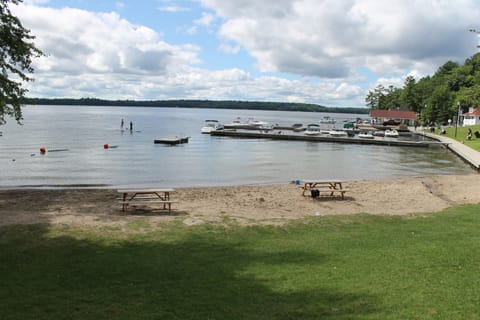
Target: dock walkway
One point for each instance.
(320, 138)
(468, 154)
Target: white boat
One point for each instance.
(235, 123)
(391, 133)
(312, 130)
(365, 135)
(338, 133)
(249, 124)
(258, 123)
(298, 127)
(211, 125)
(327, 119)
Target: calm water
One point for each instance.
(205, 160)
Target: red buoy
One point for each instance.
(42, 150)
(105, 146)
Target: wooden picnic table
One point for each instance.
(146, 196)
(326, 186)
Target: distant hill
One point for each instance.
(203, 104)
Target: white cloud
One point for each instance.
(34, 2)
(331, 38)
(206, 19)
(229, 49)
(173, 8)
(192, 30)
(83, 44)
(320, 44)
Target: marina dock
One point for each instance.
(320, 138)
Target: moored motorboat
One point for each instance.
(327, 119)
(327, 124)
(211, 125)
(349, 128)
(235, 124)
(338, 133)
(249, 124)
(391, 133)
(313, 129)
(257, 123)
(365, 135)
(298, 127)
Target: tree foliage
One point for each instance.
(16, 53)
(435, 97)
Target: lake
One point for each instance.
(74, 137)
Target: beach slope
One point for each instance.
(246, 205)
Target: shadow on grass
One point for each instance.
(195, 275)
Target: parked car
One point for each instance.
(391, 122)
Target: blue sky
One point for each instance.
(328, 52)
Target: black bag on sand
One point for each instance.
(315, 193)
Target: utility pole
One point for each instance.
(458, 119)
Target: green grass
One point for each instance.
(462, 135)
(344, 267)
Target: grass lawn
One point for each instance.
(344, 267)
(462, 135)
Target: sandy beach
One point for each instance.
(246, 205)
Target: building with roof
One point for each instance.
(393, 116)
(472, 117)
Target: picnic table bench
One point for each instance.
(328, 188)
(146, 197)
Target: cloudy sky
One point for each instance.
(328, 52)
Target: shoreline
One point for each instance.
(269, 204)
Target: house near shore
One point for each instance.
(472, 117)
(395, 116)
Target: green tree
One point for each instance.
(469, 97)
(375, 99)
(474, 63)
(16, 53)
(392, 99)
(446, 69)
(409, 95)
(441, 106)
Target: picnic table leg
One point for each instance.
(339, 185)
(306, 187)
(124, 204)
(167, 198)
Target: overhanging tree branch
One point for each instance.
(16, 53)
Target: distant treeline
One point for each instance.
(248, 105)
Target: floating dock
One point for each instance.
(171, 140)
(321, 138)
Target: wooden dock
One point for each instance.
(171, 140)
(320, 138)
